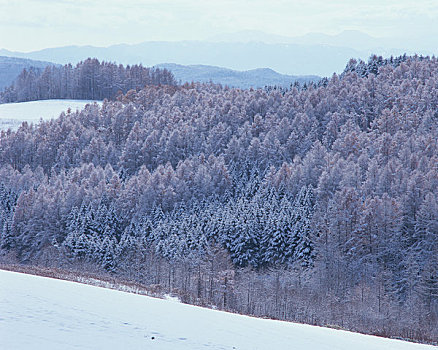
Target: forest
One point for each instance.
(88, 80)
(316, 204)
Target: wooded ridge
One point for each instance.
(316, 203)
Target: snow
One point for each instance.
(43, 313)
(171, 298)
(13, 114)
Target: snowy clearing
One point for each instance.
(43, 313)
(13, 114)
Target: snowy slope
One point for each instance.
(43, 313)
(13, 114)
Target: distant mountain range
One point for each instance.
(242, 79)
(11, 67)
(310, 54)
(293, 59)
(353, 39)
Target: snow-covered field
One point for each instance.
(43, 313)
(13, 114)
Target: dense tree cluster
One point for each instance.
(324, 199)
(363, 68)
(359, 66)
(88, 80)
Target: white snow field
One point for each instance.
(44, 313)
(13, 114)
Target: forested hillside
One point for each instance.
(315, 204)
(88, 80)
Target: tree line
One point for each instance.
(317, 205)
(88, 80)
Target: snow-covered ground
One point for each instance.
(43, 313)
(13, 114)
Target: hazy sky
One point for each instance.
(27, 25)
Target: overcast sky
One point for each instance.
(27, 25)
